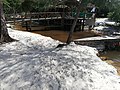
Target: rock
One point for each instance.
(104, 58)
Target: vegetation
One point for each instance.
(19, 6)
(114, 14)
(108, 8)
(12, 6)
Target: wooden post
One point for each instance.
(26, 25)
(62, 20)
(80, 24)
(83, 24)
(63, 16)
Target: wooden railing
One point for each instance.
(64, 19)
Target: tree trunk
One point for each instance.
(4, 36)
(72, 28)
(0, 17)
(74, 24)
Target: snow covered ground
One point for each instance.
(34, 63)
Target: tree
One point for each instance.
(114, 13)
(4, 36)
(100, 3)
(75, 21)
(12, 6)
(27, 5)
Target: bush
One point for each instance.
(115, 14)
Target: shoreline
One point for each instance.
(114, 62)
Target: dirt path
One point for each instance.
(59, 34)
(63, 35)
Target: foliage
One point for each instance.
(12, 6)
(18, 6)
(27, 5)
(115, 14)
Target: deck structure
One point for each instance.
(50, 19)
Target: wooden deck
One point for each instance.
(50, 19)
